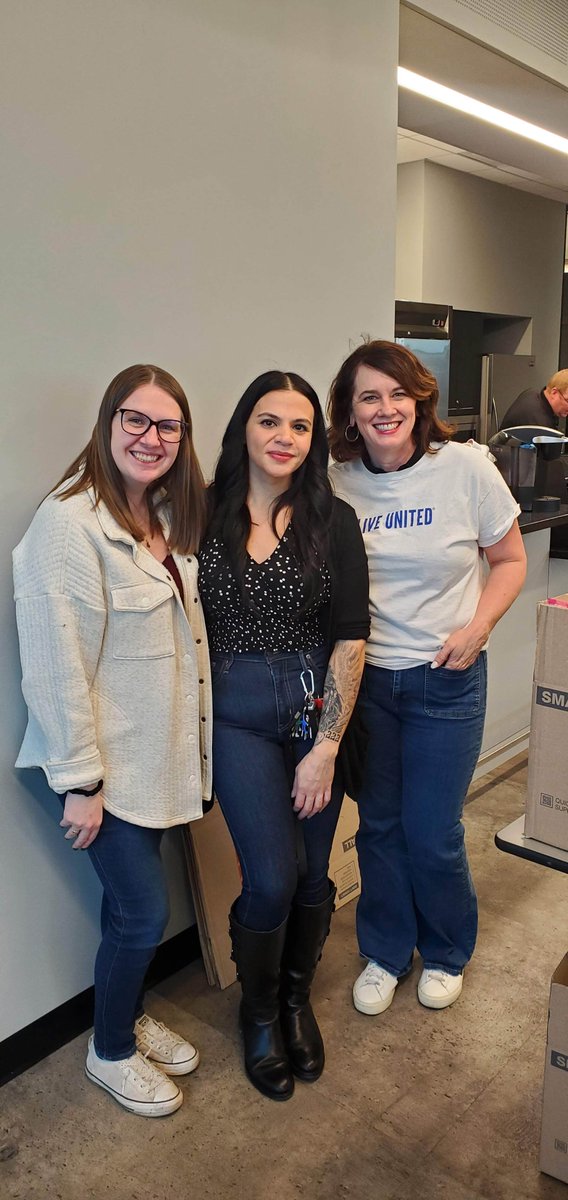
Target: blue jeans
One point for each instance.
(255, 698)
(134, 915)
(425, 735)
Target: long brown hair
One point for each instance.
(418, 382)
(182, 488)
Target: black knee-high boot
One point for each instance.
(258, 956)
(307, 930)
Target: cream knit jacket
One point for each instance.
(115, 669)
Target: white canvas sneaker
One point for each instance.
(374, 989)
(167, 1050)
(135, 1083)
(437, 989)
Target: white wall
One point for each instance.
(206, 184)
(487, 248)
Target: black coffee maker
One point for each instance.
(529, 459)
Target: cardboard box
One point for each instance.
(554, 1129)
(343, 863)
(215, 882)
(547, 792)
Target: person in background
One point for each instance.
(116, 680)
(546, 407)
(430, 511)
(284, 584)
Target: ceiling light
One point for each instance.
(475, 108)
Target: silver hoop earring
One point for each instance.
(351, 440)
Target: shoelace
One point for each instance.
(163, 1039)
(437, 976)
(375, 974)
(144, 1075)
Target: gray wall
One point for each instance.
(207, 184)
(484, 247)
(410, 231)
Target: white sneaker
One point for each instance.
(437, 989)
(374, 989)
(166, 1049)
(135, 1083)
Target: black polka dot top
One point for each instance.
(276, 591)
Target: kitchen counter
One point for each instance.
(530, 522)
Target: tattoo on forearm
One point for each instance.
(340, 690)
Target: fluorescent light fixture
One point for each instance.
(475, 108)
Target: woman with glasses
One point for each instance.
(117, 684)
(284, 584)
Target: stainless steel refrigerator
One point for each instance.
(434, 353)
(503, 378)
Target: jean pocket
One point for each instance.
(455, 695)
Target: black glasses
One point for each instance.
(169, 430)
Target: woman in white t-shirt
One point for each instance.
(430, 512)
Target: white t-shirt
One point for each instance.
(423, 528)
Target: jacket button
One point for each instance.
(198, 641)
(202, 681)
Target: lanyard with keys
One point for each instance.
(306, 720)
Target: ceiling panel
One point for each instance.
(465, 143)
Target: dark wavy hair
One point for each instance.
(418, 382)
(309, 496)
(182, 488)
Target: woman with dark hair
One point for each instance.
(284, 585)
(116, 680)
(430, 511)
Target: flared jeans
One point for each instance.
(425, 731)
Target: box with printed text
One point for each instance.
(554, 1128)
(547, 791)
(344, 864)
(216, 882)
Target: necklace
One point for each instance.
(149, 538)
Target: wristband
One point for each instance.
(87, 791)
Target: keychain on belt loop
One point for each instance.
(306, 720)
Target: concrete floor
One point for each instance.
(413, 1105)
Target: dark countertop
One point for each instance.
(530, 522)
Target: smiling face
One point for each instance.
(279, 436)
(143, 458)
(385, 416)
